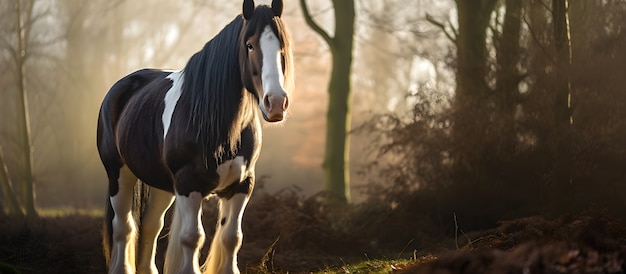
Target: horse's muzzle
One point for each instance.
(276, 105)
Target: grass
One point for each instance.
(369, 266)
(377, 266)
(7, 268)
(374, 266)
(68, 211)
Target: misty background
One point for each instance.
(490, 147)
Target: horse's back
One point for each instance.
(129, 123)
(123, 90)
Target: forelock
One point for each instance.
(263, 16)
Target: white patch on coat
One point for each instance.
(231, 171)
(171, 98)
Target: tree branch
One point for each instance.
(309, 21)
(454, 31)
(532, 33)
(4, 43)
(545, 6)
(441, 26)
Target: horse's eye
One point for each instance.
(250, 47)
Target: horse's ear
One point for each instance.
(277, 7)
(248, 9)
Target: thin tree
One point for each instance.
(338, 119)
(25, 139)
(562, 101)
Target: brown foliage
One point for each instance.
(487, 162)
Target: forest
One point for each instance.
(467, 125)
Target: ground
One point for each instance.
(584, 243)
(588, 242)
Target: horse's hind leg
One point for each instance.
(228, 235)
(123, 225)
(151, 224)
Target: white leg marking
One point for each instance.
(124, 227)
(187, 235)
(171, 98)
(231, 171)
(228, 236)
(151, 224)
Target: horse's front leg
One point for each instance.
(228, 235)
(151, 224)
(186, 235)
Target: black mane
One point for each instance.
(213, 84)
(213, 87)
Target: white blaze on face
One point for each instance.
(272, 70)
(171, 98)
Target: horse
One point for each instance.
(190, 135)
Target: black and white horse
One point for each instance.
(190, 134)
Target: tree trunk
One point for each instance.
(8, 195)
(473, 16)
(336, 157)
(337, 150)
(563, 112)
(471, 111)
(507, 74)
(27, 180)
(562, 105)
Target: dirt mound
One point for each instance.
(589, 242)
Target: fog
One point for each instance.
(423, 118)
(77, 49)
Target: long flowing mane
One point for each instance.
(213, 87)
(212, 83)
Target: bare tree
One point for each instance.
(338, 119)
(25, 138)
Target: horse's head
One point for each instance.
(265, 58)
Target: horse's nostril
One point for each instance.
(286, 103)
(266, 103)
